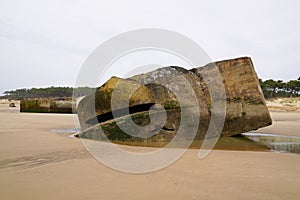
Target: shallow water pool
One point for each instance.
(277, 143)
(246, 141)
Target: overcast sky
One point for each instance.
(44, 43)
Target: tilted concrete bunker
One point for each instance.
(245, 107)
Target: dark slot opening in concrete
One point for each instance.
(119, 113)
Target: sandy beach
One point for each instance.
(284, 123)
(36, 163)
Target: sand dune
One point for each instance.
(284, 104)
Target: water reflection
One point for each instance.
(278, 143)
(71, 132)
(244, 142)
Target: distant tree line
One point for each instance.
(271, 89)
(50, 92)
(278, 88)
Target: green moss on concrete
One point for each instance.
(168, 105)
(44, 106)
(32, 106)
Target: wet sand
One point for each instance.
(38, 164)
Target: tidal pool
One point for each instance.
(245, 142)
(71, 132)
(277, 143)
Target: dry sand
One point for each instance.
(284, 123)
(38, 164)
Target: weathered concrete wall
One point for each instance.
(246, 109)
(42, 105)
(245, 105)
